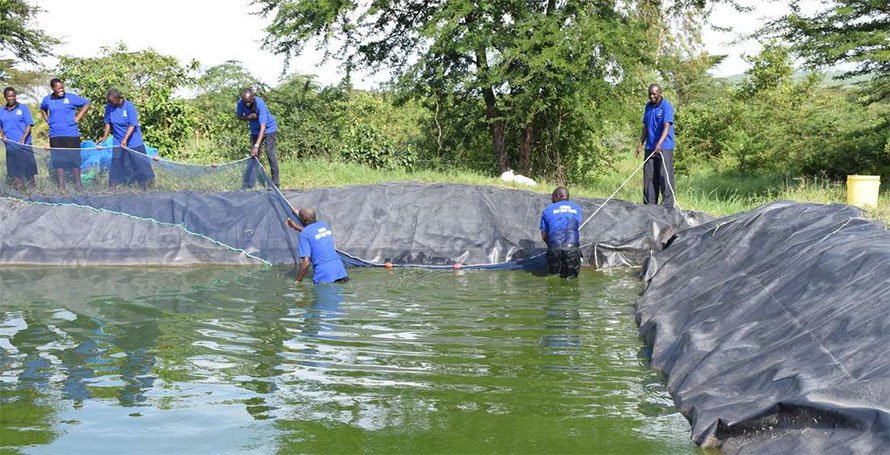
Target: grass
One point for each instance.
(703, 190)
(707, 191)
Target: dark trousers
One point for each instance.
(564, 261)
(250, 174)
(128, 166)
(656, 178)
(20, 162)
(65, 152)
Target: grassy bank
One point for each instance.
(710, 192)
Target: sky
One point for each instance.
(213, 32)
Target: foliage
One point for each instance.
(147, 78)
(19, 35)
(536, 74)
(31, 84)
(844, 31)
(772, 123)
(218, 132)
(378, 134)
(555, 88)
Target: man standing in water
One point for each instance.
(560, 224)
(317, 245)
(263, 130)
(658, 139)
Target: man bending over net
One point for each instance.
(317, 245)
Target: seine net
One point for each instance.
(32, 171)
(232, 204)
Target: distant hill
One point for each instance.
(831, 78)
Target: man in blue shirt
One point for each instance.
(560, 224)
(317, 245)
(60, 111)
(263, 129)
(658, 139)
(15, 131)
(129, 161)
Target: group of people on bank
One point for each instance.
(560, 221)
(63, 110)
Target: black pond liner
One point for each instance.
(773, 328)
(407, 224)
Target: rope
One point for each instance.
(289, 205)
(668, 180)
(31, 148)
(615, 192)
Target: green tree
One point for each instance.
(219, 134)
(31, 84)
(537, 72)
(854, 32)
(150, 80)
(18, 33)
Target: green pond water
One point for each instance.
(244, 361)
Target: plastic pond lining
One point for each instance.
(771, 326)
(406, 224)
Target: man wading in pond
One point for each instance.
(317, 245)
(658, 138)
(560, 222)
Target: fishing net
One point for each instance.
(106, 169)
(228, 205)
(235, 207)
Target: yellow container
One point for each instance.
(862, 190)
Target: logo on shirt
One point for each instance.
(125, 114)
(65, 101)
(18, 112)
(564, 209)
(322, 233)
(659, 113)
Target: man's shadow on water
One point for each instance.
(321, 310)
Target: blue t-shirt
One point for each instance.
(61, 114)
(263, 115)
(654, 118)
(15, 121)
(561, 221)
(121, 118)
(317, 243)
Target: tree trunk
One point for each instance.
(495, 122)
(526, 144)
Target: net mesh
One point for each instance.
(229, 203)
(32, 171)
(235, 205)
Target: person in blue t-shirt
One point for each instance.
(15, 131)
(62, 111)
(129, 162)
(658, 140)
(263, 130)
(317, 245)
(560, 224)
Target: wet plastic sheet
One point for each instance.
(443, 224)
(40, 234)
(773, 327)
(408, 224)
